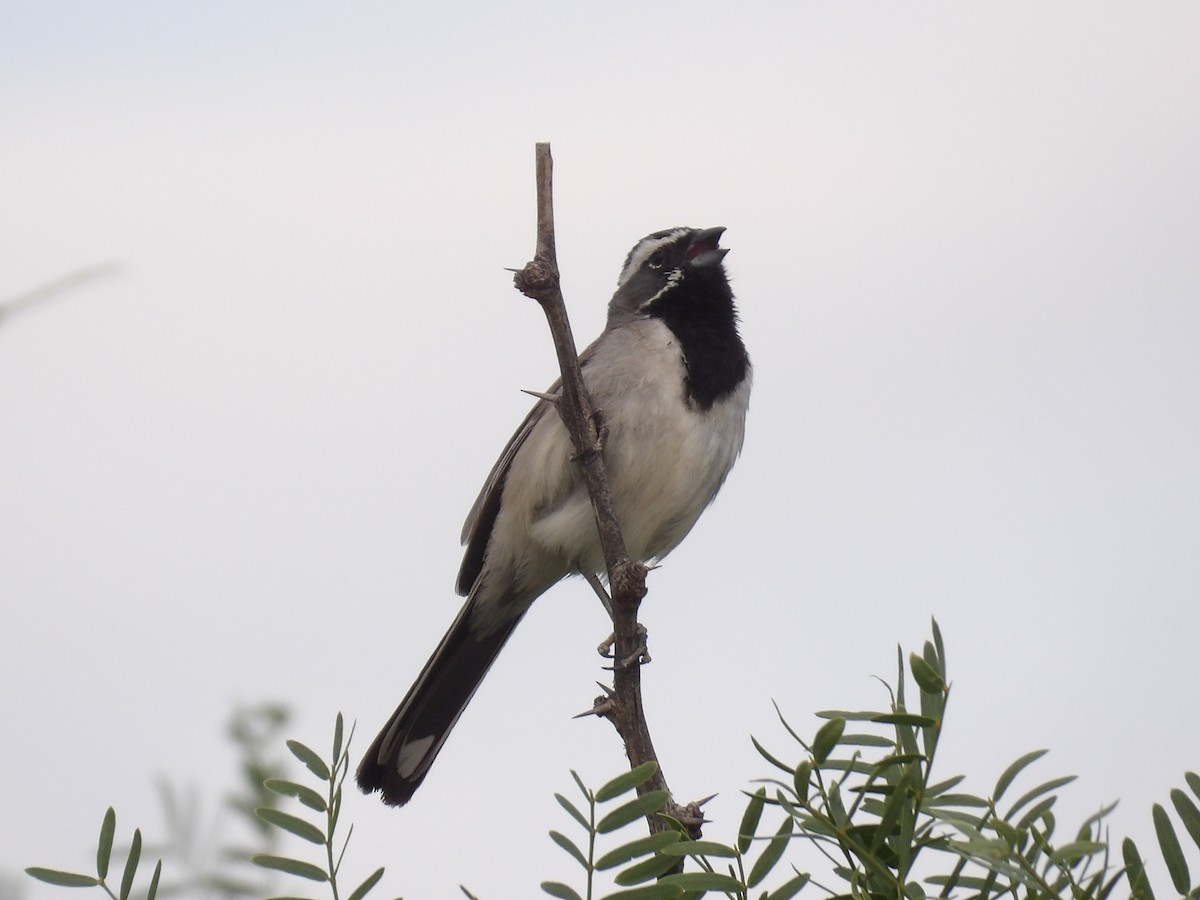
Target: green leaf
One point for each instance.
(1008, 775)
(1172, 853)
(310, 758)
(567, 844)
(291, 824)
(291, 866)
(801, 779)
(371, 880)
(337, 739)
(1135, 870)
(704, 881)
(582, 787)
(942, 786)
(789, 888)
(1074, 851)
(646, 869)
(305, 795)
(850, 715)
(60, 878)
(651, 843)
(648, 803)
(1188, 814)
(574, 813)
(1044, 788)
(560, 890)
(152, 891)
(771, 853)
(131, 864)
(656, 891)
(750, 819)
(925, 675)
(766, 754)
(1193, 781)
(827, 738)
(626, 781)
(905, 718)
(1036, 811)
(866, 740)
(104, 846)
(700, 848)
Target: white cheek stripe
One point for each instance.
(673, 278)
(644, 250)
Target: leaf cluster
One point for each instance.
(327, 805)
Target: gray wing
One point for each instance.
(478, 527)
(477, 530)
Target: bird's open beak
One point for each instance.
(703, 250)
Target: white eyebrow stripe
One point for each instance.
(644, 250)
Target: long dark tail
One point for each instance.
(399, 758)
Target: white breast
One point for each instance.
(666, 460)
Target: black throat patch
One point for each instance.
(700, 313)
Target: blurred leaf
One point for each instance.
(369, 882)
(1193, 781)
(765, 754)
(1188, 814)
(771, 854)
(649, 844)
(866, 740)
(1009, 774)
(925, 675)
(1135, 871)
(942, 786)
(1076, 850)
(560, 890)
(291, 866)
(152, 891)
(648, 803)
(1044, 788)
(131, 864)
(310, 758)
(574, 813)
(1171, 851)
(60, 878)
(700, 848)
(626, 781)
(905, 718)
(703, 881)
(650, 867)
(582, 787)
(656, 891)
(789, 888)
(567, 844)
(861, 715)
(827, 738)
(291, 824)
(750, 819)
(104, 846)
(304, 794)
(801, 779)
(1036, 811)
(337, 740)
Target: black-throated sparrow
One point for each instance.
(671, 379)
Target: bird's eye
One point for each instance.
(657, 259)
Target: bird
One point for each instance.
(670, 377)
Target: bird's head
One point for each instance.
(671, 263)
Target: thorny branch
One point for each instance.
(539, 280)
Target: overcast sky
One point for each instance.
(964, 238)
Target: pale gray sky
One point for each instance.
(964, 238)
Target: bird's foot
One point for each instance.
(640, 655)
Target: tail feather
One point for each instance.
(399, 758)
